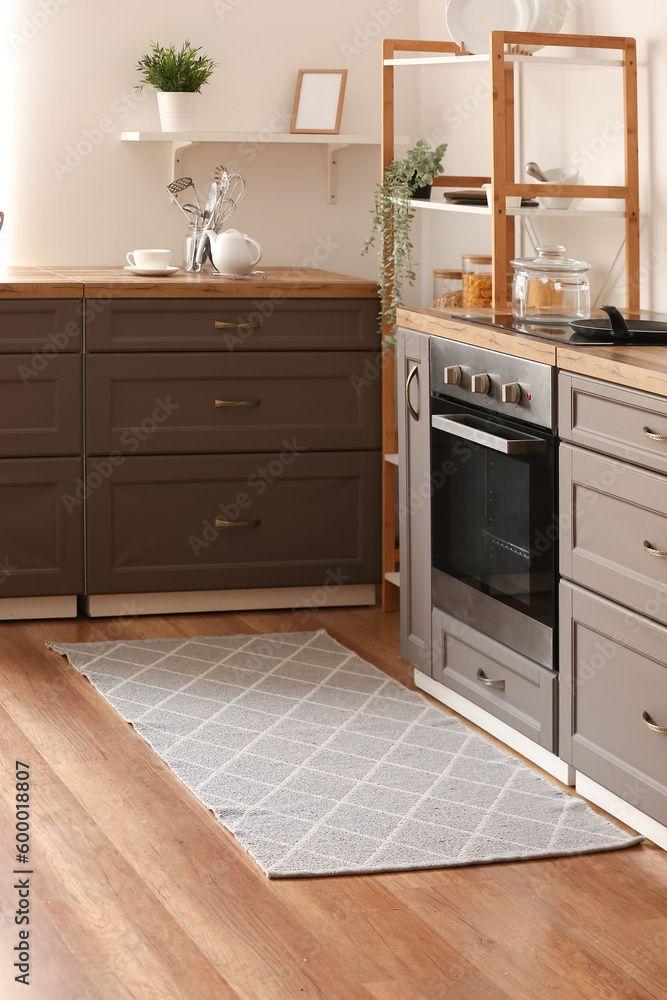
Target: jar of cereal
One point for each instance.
(447, 289)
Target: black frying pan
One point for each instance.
(621, 331)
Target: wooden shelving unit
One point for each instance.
(505, 53)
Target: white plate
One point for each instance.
(470, 21)
(550, 18)
(160, 273)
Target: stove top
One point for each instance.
(563, 334)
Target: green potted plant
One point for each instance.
(406, 178)
(177, 77)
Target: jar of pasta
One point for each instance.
(447, 289)
(477, 281)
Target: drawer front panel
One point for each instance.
(51, 326)
(613, 420)
(41, 527)
(170, 404)
(504, 683)
(243, 325)
(151, 522)
(613, 670)
(614, 509)
(40, 411)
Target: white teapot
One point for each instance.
(234, 252)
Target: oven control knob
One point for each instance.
(511, 392)
(481, 383)
(453, 375)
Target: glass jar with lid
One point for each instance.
(550, 288)
(477, 280)
(447, 289)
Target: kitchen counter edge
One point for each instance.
(115, 282)
(636, 366)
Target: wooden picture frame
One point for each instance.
(318, 101)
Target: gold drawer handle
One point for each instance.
(237, 402)
(654, 437)
(223, 325)
(219, 523)
(648, 721)
(413, 413)
(481, 676)
(659, 553)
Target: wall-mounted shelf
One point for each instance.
(568, 213)
(462, 60)
(182, 140)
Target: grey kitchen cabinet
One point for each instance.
(509, 686)
(613, 592)
(615, 529)
(614, 693)
(414, 493)
(41, 517)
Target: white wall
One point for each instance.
(73, 68)
(73, 74)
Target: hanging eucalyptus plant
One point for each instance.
(390, 226)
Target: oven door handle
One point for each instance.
(457, 426)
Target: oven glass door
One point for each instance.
(493, 511)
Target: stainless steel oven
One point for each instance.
(493, 468)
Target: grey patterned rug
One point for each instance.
(320, 764)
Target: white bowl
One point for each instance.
(511, 200)
(558, 175)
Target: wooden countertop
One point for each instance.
(37, 283)
(280, 282)
(639, 367)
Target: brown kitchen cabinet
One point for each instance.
(210, 522)
(232, 451)
(41, 512)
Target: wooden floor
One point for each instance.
(138, 892)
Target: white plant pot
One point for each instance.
(177, 110)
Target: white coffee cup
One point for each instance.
(149, 260)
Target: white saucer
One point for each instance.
(161, 272)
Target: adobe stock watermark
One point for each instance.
(92, 138)
(374, 27)
(257, 483)
(224, 7)
(61, 339)
(6, 570)
(100, 469)
(257, 142)
(245, 326)
(36, 22)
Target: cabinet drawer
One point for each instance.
(613, 420)
(613, 670)
(49, 325)
(269, 324)
(499, 680)
(611, 509)
(40, 410)
(41, 527)
(151, 522)
(171, 403)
